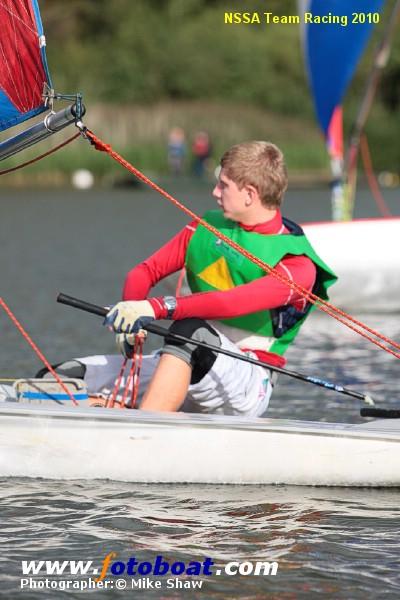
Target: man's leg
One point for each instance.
(101, 372)
(168, 387)
(195, 379)
(230, 386)
(180, 365)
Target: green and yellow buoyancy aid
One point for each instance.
(212, 264)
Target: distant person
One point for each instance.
(201, 150)
(176, 150)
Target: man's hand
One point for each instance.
(125, 344)
(130, 317)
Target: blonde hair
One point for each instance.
(260, 164)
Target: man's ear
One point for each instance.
(252, 194)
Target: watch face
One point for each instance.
(170, 304)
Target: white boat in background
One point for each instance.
(59, 442)
(364, 254)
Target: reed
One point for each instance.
(140, 134)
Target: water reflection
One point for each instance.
(309, 531)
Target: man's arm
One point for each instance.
(168, 259)
(262, 294)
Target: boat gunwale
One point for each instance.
(198, 421)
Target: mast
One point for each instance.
(381, 58)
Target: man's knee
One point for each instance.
(72, 369)
(199, 358)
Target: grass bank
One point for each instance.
(140, 134)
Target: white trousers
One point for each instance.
(231, 387)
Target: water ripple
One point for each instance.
(318, 535)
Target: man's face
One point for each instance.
(230, 198)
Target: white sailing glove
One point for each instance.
(130, 317)
(125, 344)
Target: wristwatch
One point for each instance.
(170, 304)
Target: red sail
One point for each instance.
(22, 73)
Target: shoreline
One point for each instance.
(307, 179)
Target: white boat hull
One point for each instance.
(135, 446)
(364, 254)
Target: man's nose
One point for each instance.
(216, 192)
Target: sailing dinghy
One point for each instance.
(61, 442)
(42, 435)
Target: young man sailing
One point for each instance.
(233, 304)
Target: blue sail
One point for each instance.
(332, 49)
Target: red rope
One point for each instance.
(138, 359)
(372, 182)
(130, 379)
(180, 282)
(30, 162)
(36, 349)
(133, 378)
(111, 401)
(321, 304)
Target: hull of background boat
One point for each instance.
(364, 254)
(68, 443)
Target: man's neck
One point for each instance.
(261, 214)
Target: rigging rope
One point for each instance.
(111, 400)
(40, 354)
(137, 366)
(37, 158)
(133, 379)
(335, 312)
